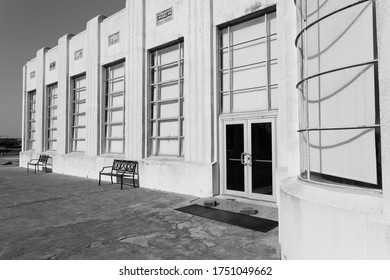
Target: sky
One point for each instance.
(27, 26)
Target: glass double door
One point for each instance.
(249, 159)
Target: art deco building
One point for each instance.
(279, 101)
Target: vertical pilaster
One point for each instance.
(198, 88)
(40, 132)
(24, 109)
(288, 148)
(383, 37)
(135, 82)
(93, 85)
(63, 93)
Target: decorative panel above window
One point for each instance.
(338, 92)
(249, 65)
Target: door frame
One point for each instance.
(246, 121)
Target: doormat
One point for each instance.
(231, 218)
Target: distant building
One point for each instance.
(223, 97)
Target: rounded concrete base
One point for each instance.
(327, 222)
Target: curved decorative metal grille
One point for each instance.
(338, 91)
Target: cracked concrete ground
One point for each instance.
(53, 216)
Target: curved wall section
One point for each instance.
(338, 88)
(336, 208)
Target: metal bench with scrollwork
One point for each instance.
(121, 169)
(43, 161)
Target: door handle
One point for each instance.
(243, 159)
(249, 159)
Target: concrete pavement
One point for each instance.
(53, 216)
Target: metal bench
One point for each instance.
(121, 169)
(43, 161)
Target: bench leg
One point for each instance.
(121, 183)
(111, 180)
(134, 182)
(100, 178)
(35, 169)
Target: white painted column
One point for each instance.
(63, 94)
(40, 101)
(288, 142)
(24, 109)
(383, 33)
(94, 86)
(135, 82)
(198, 87)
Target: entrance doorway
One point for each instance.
(249, 159)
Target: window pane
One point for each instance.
(303, 154)
(225, 103)
(274, 92)
(79, 120)
(249, 53)
(248, 30)
(225, 59)
(342, 39)
(153, 129)
(79, 107)
(53, 134)
(169, 91)
(115, 131)
(347, 154)
(169, 110)
(168, 55)
(274, 47)
(272, 23)
(115, 116)
(153, 148)
(117, 85)
(79, 133)
(344, 98)
(117, 71)
(169, 128)
(78, 146)
(225, 81)
(168, 147)
(250, 100)
(81, 82)
(274, 72)
(224, 37)
(252, 76)
(168, 73)
(52, 145)
(115, 100)
(154, 112)
(115, 146)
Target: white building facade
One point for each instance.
(212, 97)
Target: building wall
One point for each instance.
(316, 221)
(196, 22)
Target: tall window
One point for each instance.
(166, 101)
(31, 120)
(52, 117)
(338, 91)
(249, 65)
(78, 114)
(114, 114)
